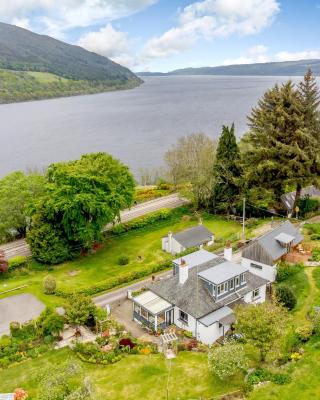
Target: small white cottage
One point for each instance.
(197, 236)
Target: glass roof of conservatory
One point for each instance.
(152, 302)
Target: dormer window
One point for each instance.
(237, 281)
(243, 278)
(231, 284)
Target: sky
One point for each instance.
(163, 35)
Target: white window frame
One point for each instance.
(181, 318)
(256, 293)
(231, 282)
(237, 279)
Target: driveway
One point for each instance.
(20, 308)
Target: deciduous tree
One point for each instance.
(191, 160)
(261, 325)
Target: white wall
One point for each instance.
(191, 327)
(176, 248)
(209, 334)
(267, 272)
(248, 298)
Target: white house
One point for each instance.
(199, 296)
(263, 254)
(197, 236)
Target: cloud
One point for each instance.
(110, 43)
(211, 19)
(260, 54)
(21, 22)
(58, 16)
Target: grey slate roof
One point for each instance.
(267, 248)
(193, 237)
(288, 198)
(222, 272)
(215, 316)
(193, 297)
(196, 258)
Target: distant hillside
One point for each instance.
(288, 68)
(83, 71)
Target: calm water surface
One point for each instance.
(137, 125)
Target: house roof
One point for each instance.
(193, 237)
(7, 396)
(284, 238)
(222, 272)
(267, 248)
(215, 316)
(289, 198)
(196, 258)
(193, 297)
(151, 302)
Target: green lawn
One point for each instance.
(142, 246)
(134, 378)
(46, 77)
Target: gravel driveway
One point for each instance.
(20, 308)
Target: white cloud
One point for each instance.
(210, 19)
(260, 54)
(57, 16)
(110, 43)
(21, 22)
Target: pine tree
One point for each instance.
(310, 99)
(280, 150)
(227, 172)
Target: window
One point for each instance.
(144, 313)
(256, 266)
(237, 281)
(243, 278)
(256, 293)
(137, 309)
(231, 284)
(222, 288)
(183, 316)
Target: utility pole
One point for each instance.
(243, 219)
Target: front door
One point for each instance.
(169, 317)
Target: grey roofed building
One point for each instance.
(222, 272)
(269, 248)
(193, 237)
(193, 296)
(196, 258)
(289, 198)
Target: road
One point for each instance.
(120, 294)
(21, 248)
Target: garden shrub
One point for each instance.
(281, 379)
(141, 222)
(285, 271)
(26, 331)
(285, 296)
(316, 254)
(17, 261)
(124, 342)
(263, 375)
(49, 285)
(308, 205)
(123, 260)
(304, 332)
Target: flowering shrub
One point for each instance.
(126, 342)
(296, 356)
(20, 394)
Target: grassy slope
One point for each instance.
(104, 264)
(133, 378)
(25, 85)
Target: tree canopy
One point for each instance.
(227, 172)
(17, 191)
(191, 160)
(280, 150)
(81, 197)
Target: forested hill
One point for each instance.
(288, 68)
(76, 70)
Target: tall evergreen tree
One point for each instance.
(227, 172)
(310, 99)
(280, 150)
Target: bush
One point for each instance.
(285, 271)
(286, 296)
(304, 332)
(49, 285)
(316, 254)
(123, 260)
(263, 375)
(281, 379)
(138, 223)
(17, 261)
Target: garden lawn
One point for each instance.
(142, 246)
(134, 378)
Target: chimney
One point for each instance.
(183, 271)
(227, 253)
(170, 242)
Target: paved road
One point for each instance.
(120, 294)
(21, 248)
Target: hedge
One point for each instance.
(138, 223)
(120, 280)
